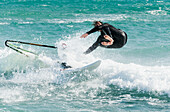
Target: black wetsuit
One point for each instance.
(119, 37)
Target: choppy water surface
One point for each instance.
(133, 78)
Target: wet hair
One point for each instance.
(96, 22)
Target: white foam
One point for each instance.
(73, 54)
(9, 95)
(4, 23)
(148, 78)
(158, 12)
(4, 52)
(129, 75)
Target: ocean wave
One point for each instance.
(92, 17)
(125, 75)
(147, 78)
(4, 23)
(79, 19)
(158, 12)
(4, 53)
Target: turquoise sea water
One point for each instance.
(133, 78)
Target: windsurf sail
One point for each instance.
(20, 50)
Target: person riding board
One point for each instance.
(110, 37)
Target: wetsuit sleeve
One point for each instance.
(91, 48)
(93, 30)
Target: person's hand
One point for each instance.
(107, 37)
(84, 35)
(104, 43)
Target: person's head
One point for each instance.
(97, 23)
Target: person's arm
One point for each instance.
(93, 47)
(93, 30)
(89, 32)
(107, 43)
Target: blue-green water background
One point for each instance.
(133, 78)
